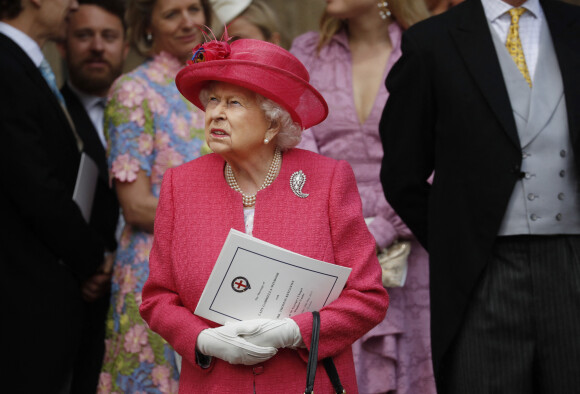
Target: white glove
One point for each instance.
(271, 332)
(225, 343)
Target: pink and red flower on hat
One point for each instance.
(212, 50)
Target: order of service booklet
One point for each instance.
(86, 183)
(254, 279)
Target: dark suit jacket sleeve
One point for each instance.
(407, 129)
(39, 161)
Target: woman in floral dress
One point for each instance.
(150, 128)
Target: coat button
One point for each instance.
(531, 196)
(562, 173)
(562, 153)
(258, 370)
(560, 196)
(525, 155)
(559, 217)
(534, 217)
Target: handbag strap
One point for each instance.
(313, 356)
(333, 375)
(313, 361)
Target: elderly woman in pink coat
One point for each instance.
(257, 100)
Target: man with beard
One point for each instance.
(94, 50)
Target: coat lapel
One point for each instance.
(519, 91)
(473, 39)
(547, 90)
(86, 130)
(565, 32)
(35, 75)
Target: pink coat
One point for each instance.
(196, 211)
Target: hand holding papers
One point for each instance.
(272, 332)
(254, 279)
(226, 343)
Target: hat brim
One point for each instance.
(305, 104)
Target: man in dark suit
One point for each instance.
(487, 96)
(47, 248)
(94, 49)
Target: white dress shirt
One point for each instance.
(95, 109)
(26, 43)
(497, 14)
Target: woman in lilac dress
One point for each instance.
(348, 62)
(150, 128)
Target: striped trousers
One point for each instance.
(521, 333)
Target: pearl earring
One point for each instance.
(384, 11)
(266, 141)
(149, 37)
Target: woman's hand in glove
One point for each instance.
(226, 343)
(271, 332)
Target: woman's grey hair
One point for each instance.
(290, 133)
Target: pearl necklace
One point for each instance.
(250, 200)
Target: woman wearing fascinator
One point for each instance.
(257, 100)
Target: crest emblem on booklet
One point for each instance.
(240, 284)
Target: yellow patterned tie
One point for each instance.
(514, 45)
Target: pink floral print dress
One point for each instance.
(149, 127)
(395, 356)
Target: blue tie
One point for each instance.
(47, 73)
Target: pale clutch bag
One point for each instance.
(393, 261)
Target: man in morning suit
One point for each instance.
(47, 248)
(94, 50)
(487, 96)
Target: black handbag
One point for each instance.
(313, 361)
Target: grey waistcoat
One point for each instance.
(546, 199)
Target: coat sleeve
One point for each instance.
(363, 302)
(162, 307)
(407, 134)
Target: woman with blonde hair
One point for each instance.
(348, 62)
(150, 127)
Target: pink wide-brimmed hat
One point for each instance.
(259, 66)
